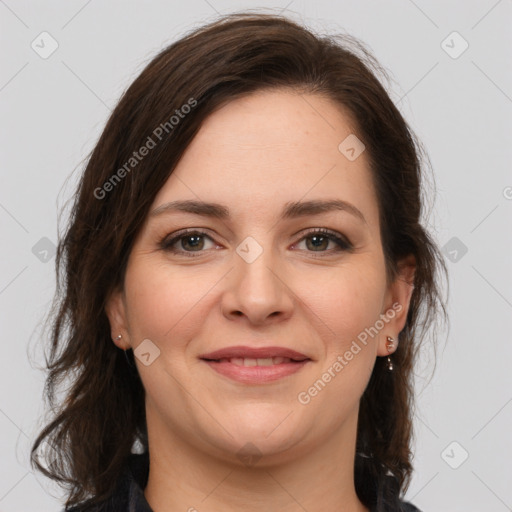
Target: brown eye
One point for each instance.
(186, 242)
(318, 241)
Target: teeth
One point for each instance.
(247, 361)
(265, 362)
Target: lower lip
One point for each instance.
(256, 374)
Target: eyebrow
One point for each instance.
(291, 210)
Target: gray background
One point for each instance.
(53, 110)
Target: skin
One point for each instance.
(254, 155)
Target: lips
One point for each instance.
(256, 366)
(249, 354)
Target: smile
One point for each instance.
(256, 371)
(247, 361)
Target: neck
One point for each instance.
(182, 477)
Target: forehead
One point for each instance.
(260, 151)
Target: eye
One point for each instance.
(320, 239)
(188, 242)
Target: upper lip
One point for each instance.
(254, 353)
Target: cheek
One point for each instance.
(347, 300)
(164, 300)
(348, 303)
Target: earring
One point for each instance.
(390, 345)
(118, 338)
(124, 349)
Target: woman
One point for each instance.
(244, 277)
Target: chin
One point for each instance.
(259, 439)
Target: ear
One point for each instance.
(115, 308)
(397, 301)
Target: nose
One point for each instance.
(257, 290)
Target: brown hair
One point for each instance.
(102, 414)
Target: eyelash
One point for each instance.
(343, 244)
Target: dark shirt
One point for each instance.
(129, 493)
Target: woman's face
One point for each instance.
(252, 278)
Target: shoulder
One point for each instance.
(83, 508)
(129, 491)
(396, 506)
(105, 506)
(408, 507)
